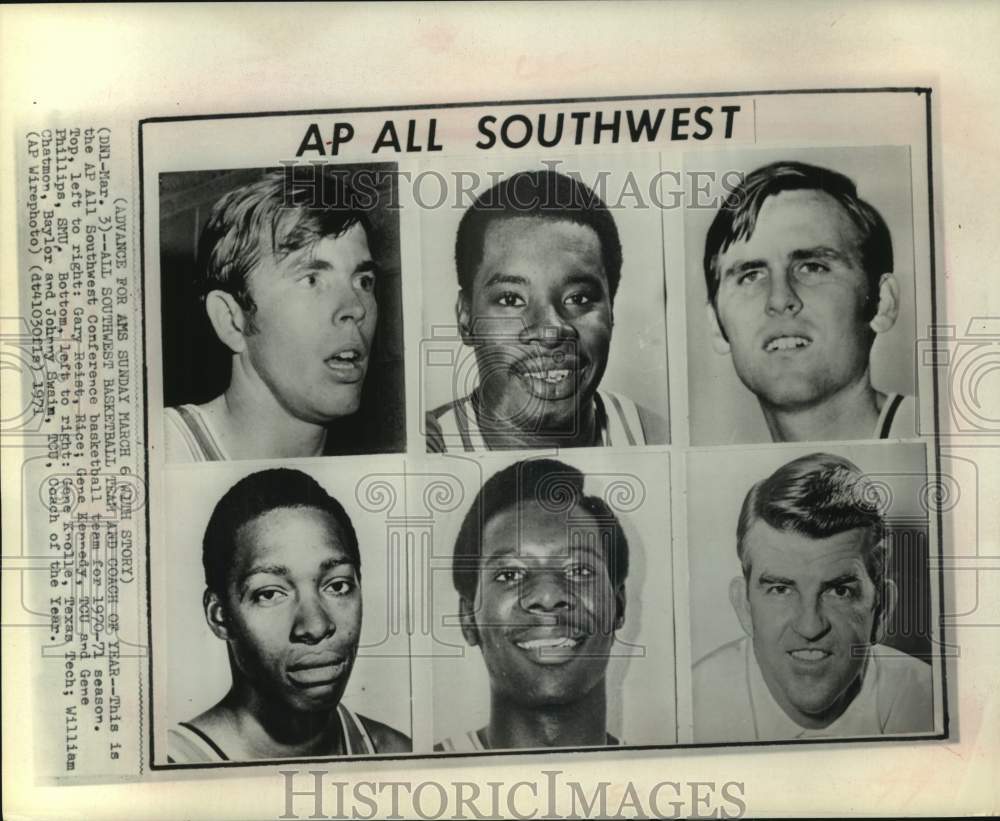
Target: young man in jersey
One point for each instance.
(289, 289)
(283, 590)
(540, 571)
(800, 280)
(539, 261)
(813, 600)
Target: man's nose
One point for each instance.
(349, 303)
(810, 620)
(781, 295)
(545, 592)
(547, 324)
(312, 621)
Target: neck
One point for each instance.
(262, 729)
(253, 424)
(851, 413)
(582, 723)
(499, 434)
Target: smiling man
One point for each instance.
(539, 262)
(289, 290)
(283, 590)
(813, 599)
(800, 282)
(540, 571)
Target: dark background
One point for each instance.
(196, 364)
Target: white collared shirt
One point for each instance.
(732, 702)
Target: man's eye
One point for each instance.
(580, 571)
(366, 282)
(508, 299)
(509, 575)
(749, 277)
(814, 268)
(268, 597)
(579, 299)
(309, 280)
(341, 587)
(777, 589)
(843, 591)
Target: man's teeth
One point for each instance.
(553, 376)
(536, 644)
(346, 356)
(810, 655)
(784, 343)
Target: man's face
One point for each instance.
(545, 611)
(314, 324)
(540, 318)
(810, 608)
(292, 608)
(792, 302)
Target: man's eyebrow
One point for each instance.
(314, 264)
(821, 251)
(261, 569)
(767, 578)
(740, 267)
(331, 563)
(502, 555)
(843, 578)
(506, 279)
(585, 278)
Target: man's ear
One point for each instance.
(887, 606)
(463, 316)
(620, 607)
(888, 304)
(228, 319)
(719, 342)
(741, 604)
(467, 618)
(215, 614)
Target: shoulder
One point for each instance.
(723, 710)
(432, 430)
(639, 424)
(178, 440)
(447, 424)
(718, 667)
(384, 738)
(906, 691)
(655, 427)
(898, 419)
(191, 743)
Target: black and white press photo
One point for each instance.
(281, 312)
(801, 315)
(544, 306)
(552, 620)
(812, 594)
(273, 637)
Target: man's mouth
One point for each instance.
(787, 343)
(563, 643)
(551, 377)
(809, 655)
(318, 673)
(348, 364)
